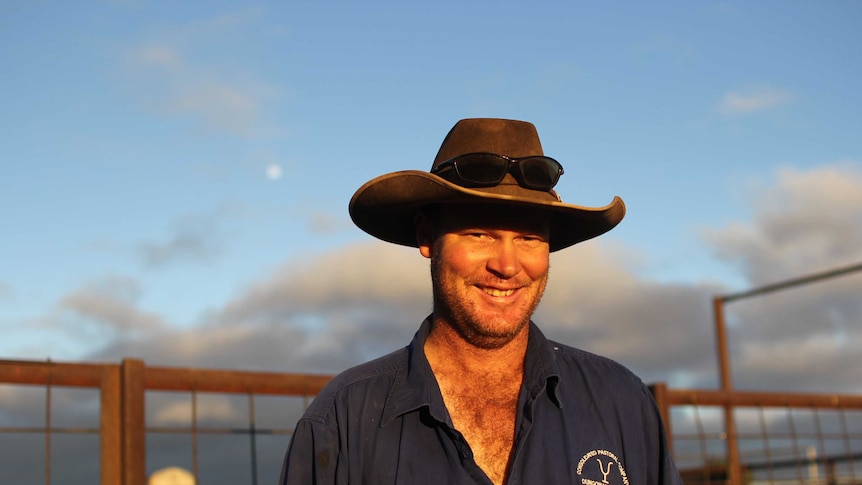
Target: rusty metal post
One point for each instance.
(110, 431)
(731, 443)
(659, 393)
(50, 368)
(134, 430)
(725, 377)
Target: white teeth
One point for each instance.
(495, 292)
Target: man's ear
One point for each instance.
(424, 233)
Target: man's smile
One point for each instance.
(498, 292)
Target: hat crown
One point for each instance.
(510, 138)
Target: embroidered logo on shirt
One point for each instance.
(601, 467)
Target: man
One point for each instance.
(480, 396)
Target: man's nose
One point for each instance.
(503, 260)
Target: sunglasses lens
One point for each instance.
(540, 172)
(482, 169)
(488, 169)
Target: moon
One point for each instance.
(273, 171)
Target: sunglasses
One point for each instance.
(489, 169)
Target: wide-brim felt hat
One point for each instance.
(386, 206)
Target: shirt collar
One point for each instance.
(541, 371)
(415, 385)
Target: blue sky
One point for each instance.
(175, 175)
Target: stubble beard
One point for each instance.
(463, 316)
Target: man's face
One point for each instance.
(489, 266)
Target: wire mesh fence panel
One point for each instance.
(777, 443)
(699, 442)
(117, 424)
(49, 434)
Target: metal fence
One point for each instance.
(831, 452)
(781, 438)
(122, 391)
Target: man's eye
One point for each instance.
(533, 239)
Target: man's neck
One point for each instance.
(448, 351)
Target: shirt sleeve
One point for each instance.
(312, 457)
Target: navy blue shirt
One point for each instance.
(581, 419)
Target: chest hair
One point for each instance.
(483, 409)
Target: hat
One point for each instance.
(385, 206)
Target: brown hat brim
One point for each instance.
(385, 207)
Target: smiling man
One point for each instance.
(480, 396)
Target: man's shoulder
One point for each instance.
(598, 370)
(372, 377)
(386, 365)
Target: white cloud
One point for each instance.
(804, 222)
(594, 301)
(229, 108)
(111, 304)
(172, 81)
(323, 222)
(195, 238)
(355, 278)
(816, 362)
(753, 100)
